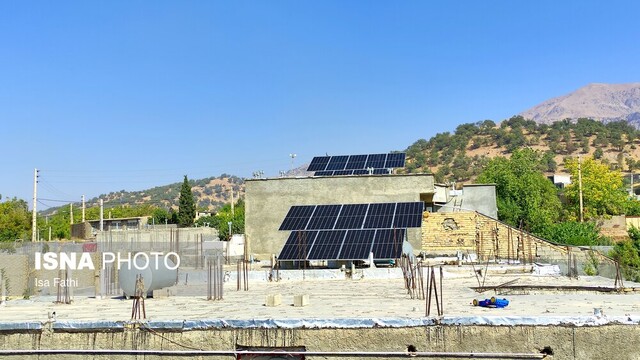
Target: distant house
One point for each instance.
(89, 228)
(560, 180)
(200, 214)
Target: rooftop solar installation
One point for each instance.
(354, 216)
(356, 162)
(343, 244)
(350, 172)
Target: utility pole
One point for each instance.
(233, 213)
(580, 186)
(71, 213)
(83, 207)
(101, 215)
(34, 230)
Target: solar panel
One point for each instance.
(297, 217)
(327, 245)
(395, 160)
(324, 217)
(342, 172)
(408, 214)
(319, 163)
(297, 245)
(380, 171)
(323, 173)
(352, 216)
(337, 162)
(360, 172)
(380, 216)
(357, 244)
(388, 243)
(376, 161)
(356, 162)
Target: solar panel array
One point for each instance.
(354, 216)
(351, 172)
(354, 244)
(350, 163)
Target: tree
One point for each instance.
(15, 220)
(575, 233)
(186, 205)
(224, 216)
(524, 195)
(627, 253)
(603, 191)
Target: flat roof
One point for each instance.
(342, 301)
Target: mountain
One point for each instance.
(210, 194)
(602, 102)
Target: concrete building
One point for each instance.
(269, 200)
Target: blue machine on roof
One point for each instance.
(491, 303)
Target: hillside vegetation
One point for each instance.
(210, 194)
(461, 156)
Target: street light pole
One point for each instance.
(229, 223)
(293, 156)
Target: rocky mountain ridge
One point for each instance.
(602, 102)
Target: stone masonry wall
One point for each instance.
(472, 232)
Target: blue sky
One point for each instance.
(105, 96)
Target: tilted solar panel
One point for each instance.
(380, 216)
(319, 163)
(297, 217)
(357, 244)
(324, 217)
(376, 161)
(352, 216)
(388, 243)
(327, 245)
(395, 160)
(297, 245)
(337, 162)
(356, 162)
(408, 214)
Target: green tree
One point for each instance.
(575, 233)
(627, 253)
(524, 195)
(15, 220)
(225, 215)
(603, 191)
(186, 205)
(598, 154)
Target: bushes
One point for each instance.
(575, 233)
(627, 253)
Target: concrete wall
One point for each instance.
(481, 198)
(568, 342)
(473, 197)
(615, 228)
(269, 200)
(16, 271)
